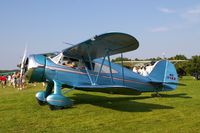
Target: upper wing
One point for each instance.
(113, 43)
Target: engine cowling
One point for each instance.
(36, 68)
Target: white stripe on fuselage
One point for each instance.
(83, 73)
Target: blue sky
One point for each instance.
(161, 26)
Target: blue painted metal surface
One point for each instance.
(41, 96)
(36, 68)
(75, 77)
(59, 100)
(108, 76)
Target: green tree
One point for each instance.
(178, 57)
(120, 59)
(182, 68)
(194, 64)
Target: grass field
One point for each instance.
(176, 111)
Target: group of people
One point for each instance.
(143, 70)
(16, 80)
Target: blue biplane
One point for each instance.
(87, 66)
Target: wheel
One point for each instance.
(58, 101)
(53, 107)
(42, 103)
(198, 77)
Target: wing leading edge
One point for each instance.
(99, 46)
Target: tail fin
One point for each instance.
(164, 73)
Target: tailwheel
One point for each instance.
(156, 94)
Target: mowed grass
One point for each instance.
(175, 111)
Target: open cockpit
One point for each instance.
(71, 62)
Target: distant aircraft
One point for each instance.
(84, 67)
(144, 62)
(148, 63)
(8, 72)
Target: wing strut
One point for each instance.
(89, 59)
(91, 66)
(110, 67)
(100, 69)
(122, 64)
(88, 73)
(91, 81)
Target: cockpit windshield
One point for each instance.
(65, 60)
(56, 59)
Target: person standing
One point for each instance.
(14, 79)
(3, 81)
(9, 80)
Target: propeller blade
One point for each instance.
(23, 61)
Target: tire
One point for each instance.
(53, 107)
(42, 103)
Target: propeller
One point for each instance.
(22, 67)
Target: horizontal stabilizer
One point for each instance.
(170, 83)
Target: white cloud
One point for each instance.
(192, 15)
(166, 10)
(160, 29)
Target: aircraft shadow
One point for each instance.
(126, 104)
(180, 95)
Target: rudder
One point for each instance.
(164, 73)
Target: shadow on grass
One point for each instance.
(180, 95)
(125, 104)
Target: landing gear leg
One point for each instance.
(57, 100)
(42, 95)
(49, 89)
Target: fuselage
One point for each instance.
(43, 69)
